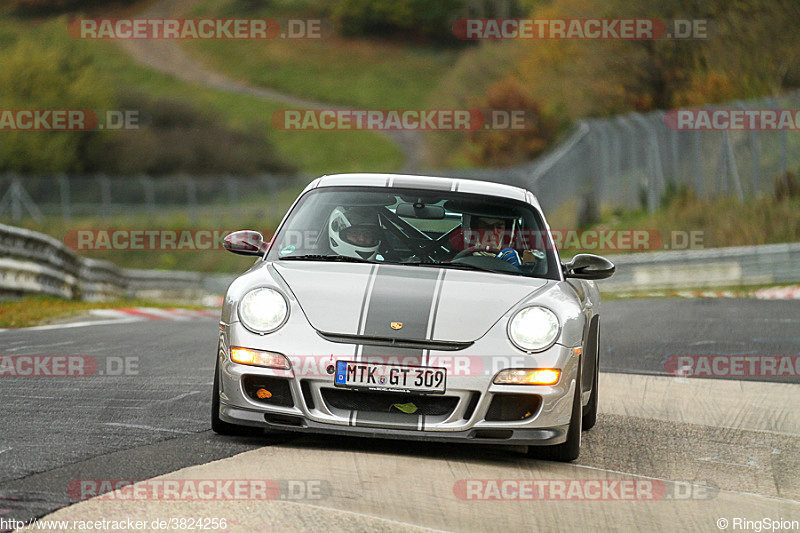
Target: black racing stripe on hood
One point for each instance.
(395, 298)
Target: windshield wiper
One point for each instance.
(321, 257)
(460, 266)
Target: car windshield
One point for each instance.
(417, 227)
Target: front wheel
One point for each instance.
(571, 448)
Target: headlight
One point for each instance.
(263, 310)
(533, 329)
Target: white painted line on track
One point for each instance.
(149, 428)
(82, 324)
(162, 313)
(109, 313)
(179, 397)
(32, 346)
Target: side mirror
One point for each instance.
(245, 242)
(589, 266)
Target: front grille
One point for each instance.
(510, 407)
(305, 388)
(473, 403)
(385, 402)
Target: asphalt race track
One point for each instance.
(715, 449)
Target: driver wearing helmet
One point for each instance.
(354, 232)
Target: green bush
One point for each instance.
(174, 137)
(47, 7)
(47, 70)
(392, 18)
(502, 147)
(40, 75)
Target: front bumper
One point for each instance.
(469, 388)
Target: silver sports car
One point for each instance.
(415, 308)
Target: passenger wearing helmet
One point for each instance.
(494, 233)
(499, 233)
(354, 232)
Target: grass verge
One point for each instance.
(310, 152)
(39, 310)
(687, 222)
(380, 74)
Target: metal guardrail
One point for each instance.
(714, 267)
(34, 263)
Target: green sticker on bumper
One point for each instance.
(408, 408)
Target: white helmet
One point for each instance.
(353, 233)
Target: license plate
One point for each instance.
(376, 376)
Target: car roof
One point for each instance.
(424, 182)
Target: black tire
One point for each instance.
(570, 449)
(590, 411)
(218, 425)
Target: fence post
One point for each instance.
(727, 146)
(630, 168)
(755, 152)
(654, 171)
(784, 153)
(191, 198)
(105, 197)
(63, 185)
(676, 166)
(784, 156)
(232, 187)
(149, 194)
(699, 175)
(16, 199)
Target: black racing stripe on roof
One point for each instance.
(409, 182)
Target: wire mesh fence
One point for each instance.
(102, 197)
(627, 161)
(632, 161)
